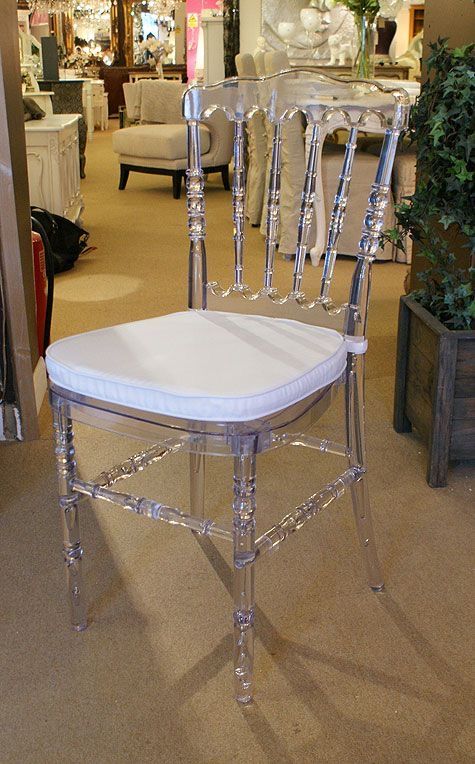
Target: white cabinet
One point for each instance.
(213, 49)
(53, 164)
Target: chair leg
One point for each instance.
(244, 529)
(225, 178)
(197, 484)
(66, 470)
(355, 424)
(177, 185)
(124, 176)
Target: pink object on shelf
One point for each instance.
(193, 19)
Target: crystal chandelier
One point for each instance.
(161, 7)
(50, 6)
(89, 8)
(95, 8)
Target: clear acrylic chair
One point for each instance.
(247, 379)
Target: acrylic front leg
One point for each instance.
(197, 484)
(66, 470)
(359, 491)
(244, 531)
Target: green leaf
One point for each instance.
(442, 124)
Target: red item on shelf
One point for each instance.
(41, 288)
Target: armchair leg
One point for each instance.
(177, 176)
(354, 400)
(225, 177)
(124, 176)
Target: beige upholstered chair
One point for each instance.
(404, 184)
(260, 63)
(159, 144)
(364, 166)
(256, 148)
(293, 165)
(293, 168)
(276, 61)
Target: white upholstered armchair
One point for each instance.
(158, 144)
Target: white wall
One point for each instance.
(250, 24)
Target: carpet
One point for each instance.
(342, 674)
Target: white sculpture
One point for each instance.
(319, 20)
(286, 30)
(323, 5)
(412, 56)
(311, 19)
(389, 9)
(342, 43)
(314, 21)
(341, 49)
(261, 45)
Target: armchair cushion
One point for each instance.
(157, 141)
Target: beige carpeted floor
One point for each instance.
(343, 675)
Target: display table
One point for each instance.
(53, 164)
(392, 71)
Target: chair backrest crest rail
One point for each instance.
(326, 103)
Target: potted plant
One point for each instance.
(435, 377)
(364, 14)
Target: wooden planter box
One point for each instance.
(435, 387)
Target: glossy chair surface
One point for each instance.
(246, 368)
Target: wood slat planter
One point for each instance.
(435, 387)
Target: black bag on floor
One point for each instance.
(67, 240)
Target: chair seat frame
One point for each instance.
(243, 441)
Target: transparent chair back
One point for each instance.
(326, 104)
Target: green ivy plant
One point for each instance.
(443, 206)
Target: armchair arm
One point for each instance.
(221, 134)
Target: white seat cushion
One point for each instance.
(210, 366)
(157, 141)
